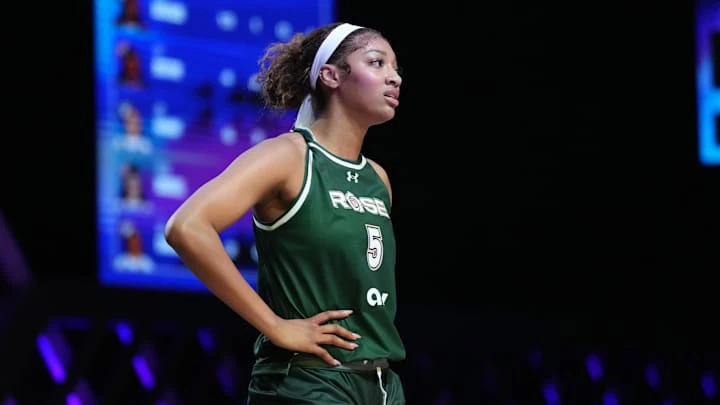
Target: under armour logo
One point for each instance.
(352, 176)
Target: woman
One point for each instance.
(321, 211)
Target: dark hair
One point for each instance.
(285, 67)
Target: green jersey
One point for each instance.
(333, 249)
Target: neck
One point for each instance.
(340, 134)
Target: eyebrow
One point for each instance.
(382, 52)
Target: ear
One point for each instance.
(330, 75)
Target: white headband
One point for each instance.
(306, 114)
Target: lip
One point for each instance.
(392, 101)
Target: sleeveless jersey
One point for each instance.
(333, 249)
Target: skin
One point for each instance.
(254, 180)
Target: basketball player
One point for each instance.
(326, 302)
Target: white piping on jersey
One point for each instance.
(382, 390)
(313, 144)
(298, 203)
(356, 166)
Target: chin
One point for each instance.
(385, 116)
(379, 116)
(379, 122)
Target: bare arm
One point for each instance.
(193, 230)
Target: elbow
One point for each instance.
(182, 231)
(176, 231)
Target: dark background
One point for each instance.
(544, 158)
(547, 193)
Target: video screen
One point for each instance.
(176, 102)
(707, 43)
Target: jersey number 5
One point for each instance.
(375, 247)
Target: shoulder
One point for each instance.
(288, 142)
(286, 147)
(379, 169)
(272, 159)
(382, 174)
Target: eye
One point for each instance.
(377, 62)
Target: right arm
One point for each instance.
(193, 232)
(193, 229)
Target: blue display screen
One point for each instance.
(707, 43)
(176, 102)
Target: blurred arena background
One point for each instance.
(556, 172)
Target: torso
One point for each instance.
(331, 245)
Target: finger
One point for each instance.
(325, 316)
(325, 356)
(337, 341)
(338, 330)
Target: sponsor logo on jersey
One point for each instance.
(352, 176)
(375, 297)
(349, 201)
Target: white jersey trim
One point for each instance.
(355, 166)
(298, 203)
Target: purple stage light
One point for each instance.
(73, 399)
(9, 401)
(124, 332)
(550, 392)
(708, 385)
(652, 376)
(594, 367)
(142, 369)
(206, 339)
(610, 398)
(227, 375)
(81, 394)
(12, 262)
(51, 358)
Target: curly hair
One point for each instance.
(285, 67)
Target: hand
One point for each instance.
(307, 335)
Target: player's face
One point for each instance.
(133, 124)
(134, 245)
(132, 8)
(372, 87)
(134, 187)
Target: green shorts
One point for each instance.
(302, 385)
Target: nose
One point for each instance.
(394, 78)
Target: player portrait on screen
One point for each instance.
(130, 66)
(130, 15)
(133, 257)
(132, 187)
(132, 139)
